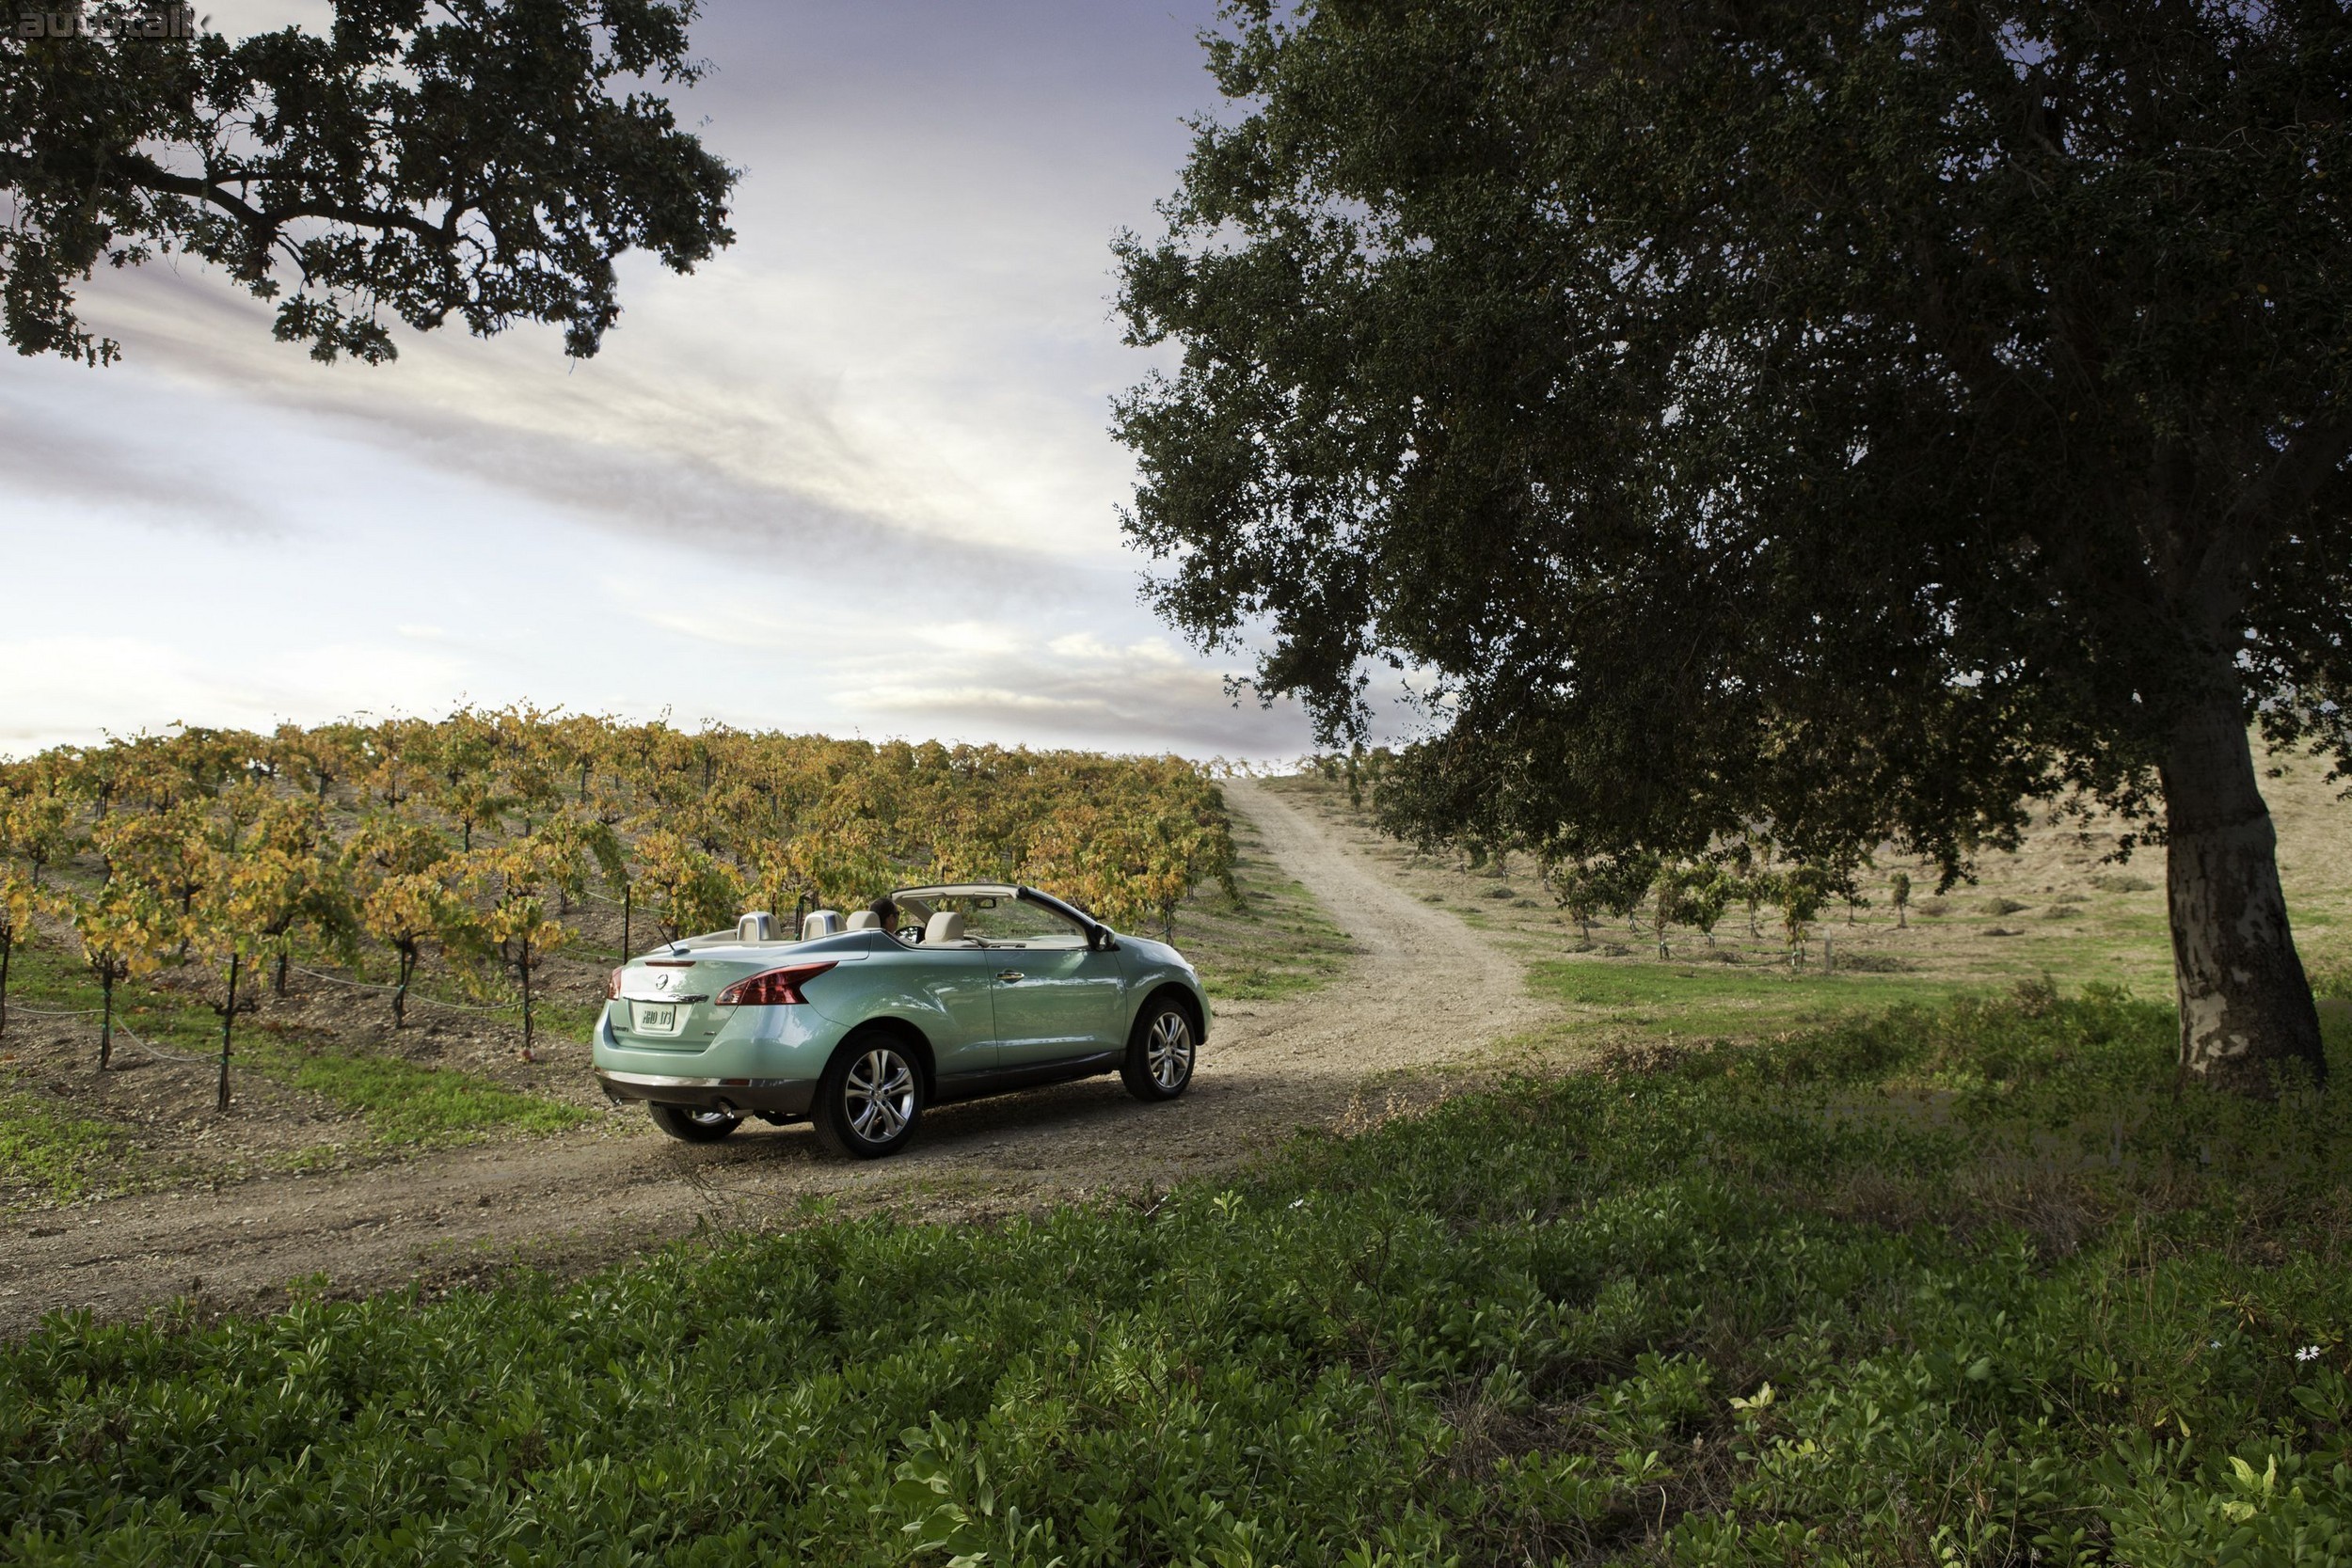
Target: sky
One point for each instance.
(852, 477)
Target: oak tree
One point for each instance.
(1799, 891)
(1821, 424)
(414, 160)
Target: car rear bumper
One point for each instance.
(774, 1097)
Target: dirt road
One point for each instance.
(1423, 989)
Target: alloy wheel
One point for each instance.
(878, 1096)
(1168, 1053)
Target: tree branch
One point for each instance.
(265, 223)
(2263, 508)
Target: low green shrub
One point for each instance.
(1954, 1284)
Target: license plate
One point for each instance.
(654, 1019)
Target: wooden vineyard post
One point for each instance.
(523, 968)
(228, 1024)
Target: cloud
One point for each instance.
(119, 454)
(63, 689)
(852, 473)
(1146, 695)
(243, 18)
(910, 338)
(763, 476)
(1085, 647)
(902, 366)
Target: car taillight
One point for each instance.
(778, 987)
(613, 987)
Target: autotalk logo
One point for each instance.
(153, 22)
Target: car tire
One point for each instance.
(871, 1098)
(1161, 1051)
(693, 1124)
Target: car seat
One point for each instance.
(865, 920)
(945, 931)
(821, 923)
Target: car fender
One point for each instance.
(1153, 966)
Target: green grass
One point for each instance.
(558, 1020)
(1954, 1284)
(405, 1105)
(49, 1151)
(1711, 999)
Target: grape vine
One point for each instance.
(225, 858)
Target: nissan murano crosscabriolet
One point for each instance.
(856, 1024)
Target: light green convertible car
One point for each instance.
(857, 1025)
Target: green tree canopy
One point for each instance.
(1834, 422)
(486, 158)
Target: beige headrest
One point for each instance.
(946, 926)
(865, 920)
(821, 923)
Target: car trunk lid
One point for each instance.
(670, 1001)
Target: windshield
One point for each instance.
(995, 921)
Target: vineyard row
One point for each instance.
(229, 856)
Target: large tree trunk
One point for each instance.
(2245, 1006)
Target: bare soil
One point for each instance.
(1422, 990)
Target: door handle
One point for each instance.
(1010, 975)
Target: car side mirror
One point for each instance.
(1101, 940)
